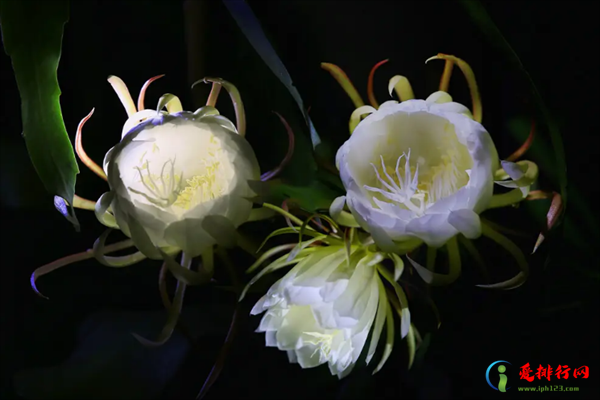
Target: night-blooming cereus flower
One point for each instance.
(179, 183)
(324, 309)
(422, 171)
(418, 171)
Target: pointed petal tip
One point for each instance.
(32, 280)
(436, 57)
(538, 242)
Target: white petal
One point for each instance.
(292, 356)
(309, 358)
(272, 320)
(466, 222)
(332, 290)
(432, 229)
(271, 338)
(303, 295)
(355, 300)
(259, 307)
(318, 273)
(298, 320)
(453, 107)
(325, 316)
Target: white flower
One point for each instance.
(323, 309)
(418, 171)
(177, 178)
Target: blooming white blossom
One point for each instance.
(178, 180)
(174, 175)
(323, 309)
(421, 171)
(418, 171)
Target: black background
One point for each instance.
(552, 319)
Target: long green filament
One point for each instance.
(514, 251)
(382, 307)
(340, 76)
(236, 99)
(184, 274)
(101, 211)
(471, 81)
(99, 251)
(287, 214)
(402, 308)
(412, 345)
(162, 285)
(215, 90)
(208, 261)
(445, 80)
(85, 159)
(173, 313)
(506, 199)
(62, 262)
(268, 254)
(84, 204)
(281, 262)
(389, 339)
(474, 253)
(436, 279)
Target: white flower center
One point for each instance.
(174, 178)
(401, 185)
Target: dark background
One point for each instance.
(552, 319)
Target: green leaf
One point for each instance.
(314, 197)
(32, 35)
(250, 26)
(482, 19)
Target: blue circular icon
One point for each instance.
(487, 373)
